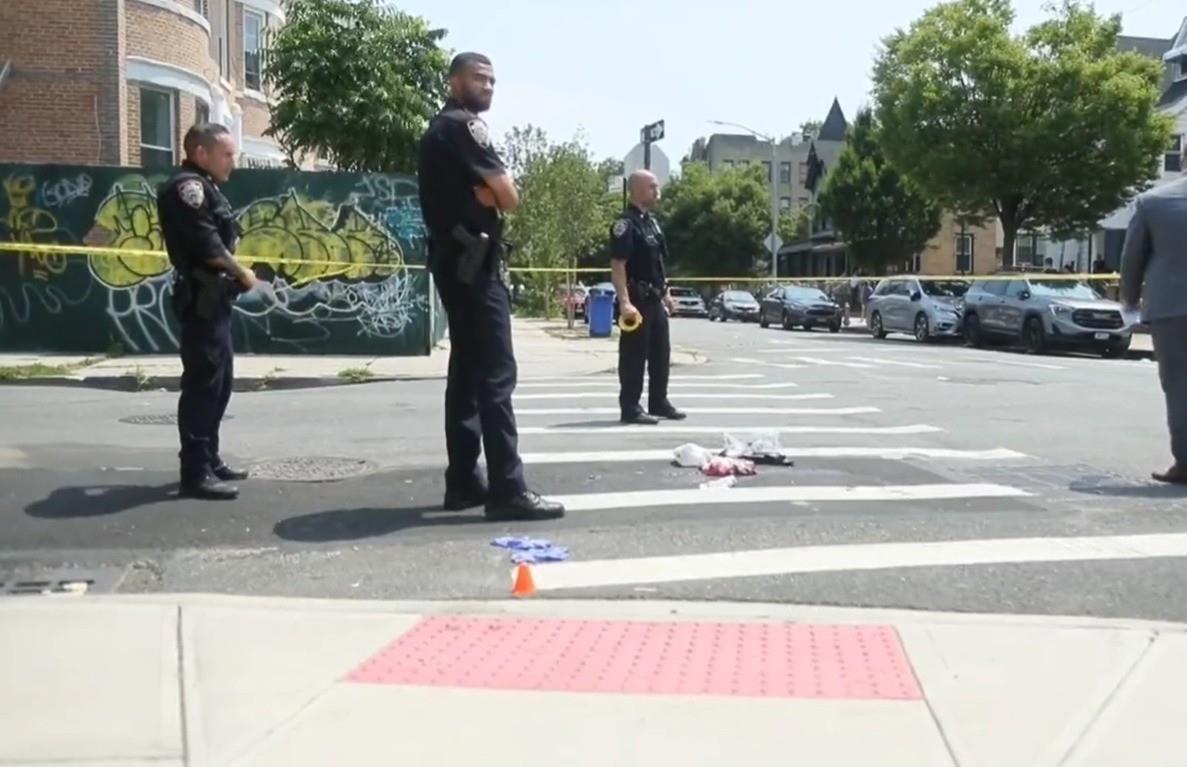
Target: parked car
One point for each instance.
(793, 306)
(925, 308)
(574, 298)
(734, 305)
(688, 303)
(602, 288)
(1044, 313)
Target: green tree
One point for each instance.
(811, 127)
(1051, 129)
(883, 218)
(795, 224)
(356, 82)
(715, 223)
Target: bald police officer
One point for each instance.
(464, 191)
(199, 230)
(637, 253)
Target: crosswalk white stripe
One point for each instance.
(1001, 360)
(748, 429)
(596, 383)
(881, 453)
(708, 411)
(723, 377)
(780, 365)
(897, 363)
(684, 396)
(790, 494)
(833, 363)
(851, 557)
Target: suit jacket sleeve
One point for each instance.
(1134, 256)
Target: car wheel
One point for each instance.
(835, 327)
(1034, 337)
(787, 325)
(972, 332)
(876, 328)
(922, 331)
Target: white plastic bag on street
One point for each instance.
(692, 456)
(720, 484)
(762, 443)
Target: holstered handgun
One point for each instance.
(212, 292)
(641, 291)
(473, 254)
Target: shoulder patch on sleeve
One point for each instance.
(479, 131)
(191, 193)
(620, 227)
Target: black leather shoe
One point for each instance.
(669, 413)
(208, 489)
(640, 419)
(460, 500)
(227, 474)
(525, 507)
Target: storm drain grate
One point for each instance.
(157, 419)
(312, 469)
(46, 582)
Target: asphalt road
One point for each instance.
(926, 476)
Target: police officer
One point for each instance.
(464, 191)
(637, 253)
(199, 230)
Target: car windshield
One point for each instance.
(739, 296)
(1063, 289)
(944, 288)
(806, 294)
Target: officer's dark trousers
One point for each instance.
(207, 375)
(648, 346)
(482, 377)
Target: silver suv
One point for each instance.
(923, 307)
(1043, 313)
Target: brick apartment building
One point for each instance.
(118, 82)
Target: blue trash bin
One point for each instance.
(601, 314)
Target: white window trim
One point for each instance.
(263, 19)
(172, 96)
(252, 146)
(269, 7)
(172, 6)
(168, 77)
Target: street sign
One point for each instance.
(661, 166)
(652, 133)
(778, 243)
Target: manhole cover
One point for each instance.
(63, 581)
(157, 419)
(312, 469)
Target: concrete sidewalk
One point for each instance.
(208, 680)
(543, 348)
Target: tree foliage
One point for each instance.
(715, 224)
(1051, 129)
(883, 217)
(356, 82)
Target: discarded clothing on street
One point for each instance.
(763, 449)
(722, 466)
(525, 549)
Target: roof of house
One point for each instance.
(1154, 47)
(835, 126)
(1173, 94)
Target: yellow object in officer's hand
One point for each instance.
(628, 326)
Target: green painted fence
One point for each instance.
(374, 303)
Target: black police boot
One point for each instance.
(207, 488)
(525, 507)
(639, 418)
(462, 499)
(669, 413)
(227, 474)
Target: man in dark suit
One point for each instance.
(1154, 274)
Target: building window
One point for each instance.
(727, 164)
(157, 129)
(784, 173)
(784, 204)
(964, 253)
(743, 163)
(767, 167)
(803, 173)
(1173, 162)
(201, 112)
(203, 7)
(253, 44)
(1029, 251)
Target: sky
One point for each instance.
(602, 69)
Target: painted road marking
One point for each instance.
(729, 377)
(883, 361)
(764, 363)
(851, 557)
(708, 411)
(999, 360)
(616, 428)
(595, 383)
(790, 494)
(881, 453)
(686, 395)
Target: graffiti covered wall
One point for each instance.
(368, 299)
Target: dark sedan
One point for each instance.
(800, 307)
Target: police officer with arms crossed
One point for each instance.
(637, 252)
(200, 233)
(464, 191)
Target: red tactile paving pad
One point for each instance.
(766, 660)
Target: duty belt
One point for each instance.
(645, 289)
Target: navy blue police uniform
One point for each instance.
(455, 156)
(637, 240)
(198, 225)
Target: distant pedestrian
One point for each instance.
(1154, 275)
(464, 191)
(200, 234)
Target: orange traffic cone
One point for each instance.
(525, 585)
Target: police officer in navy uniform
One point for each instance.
(464, 191)
(637, 253)
(199, 230)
